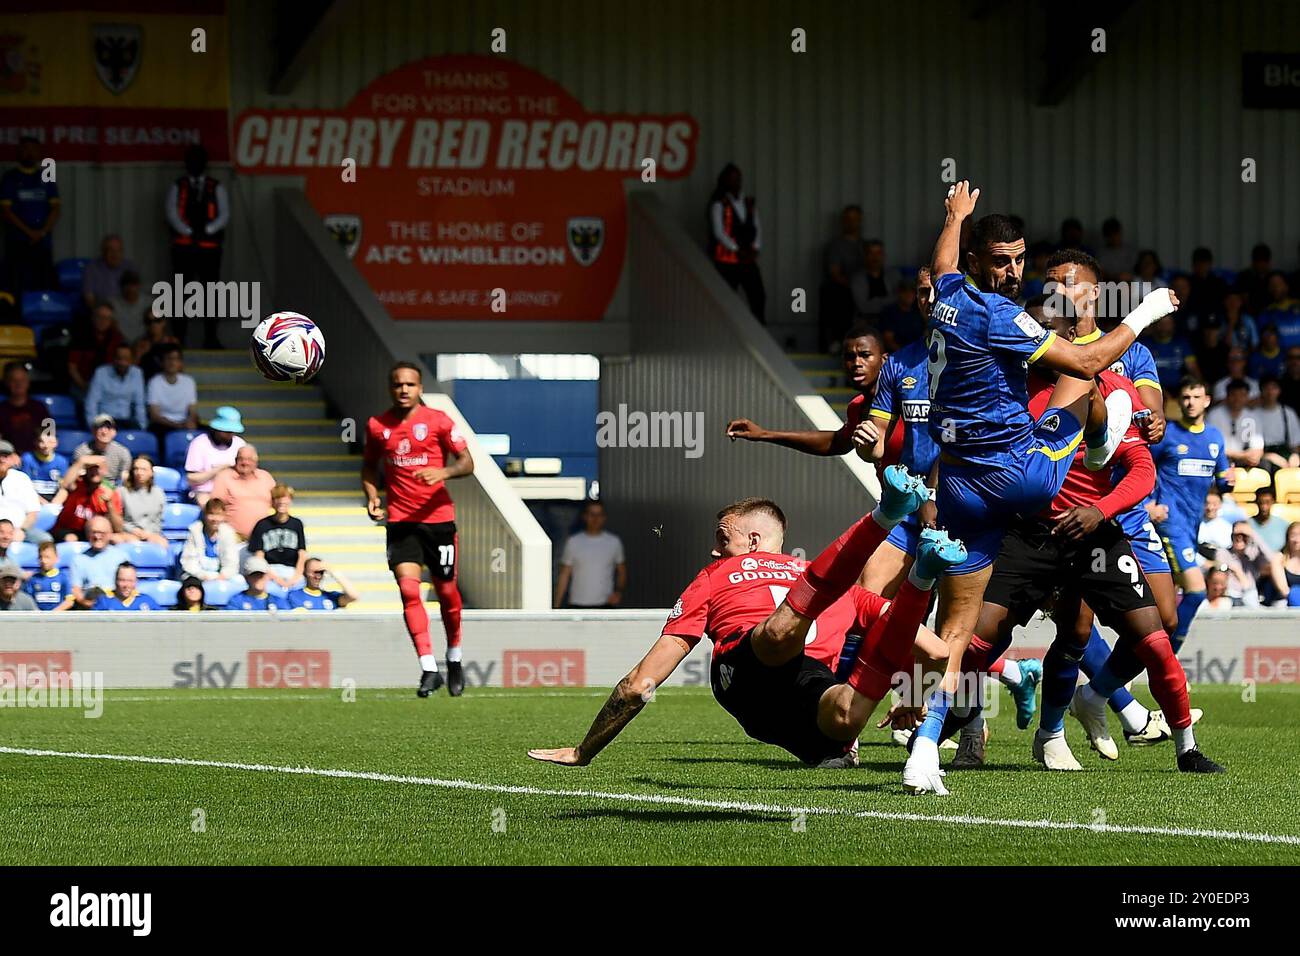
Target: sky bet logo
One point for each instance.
(295, 670)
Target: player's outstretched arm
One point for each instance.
(960, 203)
(810, 443)
(1087, 361)
(632, 693)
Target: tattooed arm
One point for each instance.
(632, 693)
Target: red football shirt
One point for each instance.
(731, 595)
(853, 415)
(1083, 487)
(425, 439)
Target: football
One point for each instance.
(287, 347)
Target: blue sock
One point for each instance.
(1060, 675)
(1187, 608)
(937, 706)
(1105, 682)
(1095, 656)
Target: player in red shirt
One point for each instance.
(420, 450)
(777, 626)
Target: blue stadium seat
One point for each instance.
(69, 550)
(177, 446)
(139, 442)
(48, 308)
(172, 482)
(61, 408)
(177, 518)
(70, 272)
(47, 517)
(219, 593)
(164, 592)
(25, 555)
(70, 438)
(152, 561)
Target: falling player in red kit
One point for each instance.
(778, 624)
(420, 449)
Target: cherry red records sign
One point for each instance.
(472, 174)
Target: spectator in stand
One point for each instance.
(1252, 283)
(45, 466)
(172, 397)
(142, 505)
(211, 551)
(91, 346)
(844, 259)
(1290, 379)
(1216, 590)
(51, 586)
(1215, 532)
(12, 597)
(1212, 349)
(1036, 268)
(1173, 356)
(130, 307)
(20, 417)
(1268, 528)
(246, 490)
(593, 568)
(1279, 425)
(102, 279)
(30, 209)
(1072, 236)
(124, 596)
(94, 571)
(84, 495)
(1146, 273)
(280, 540)
(190, 596)
(117, 390)
(1251, 568)
(149, 348)
(1206, 289)
(18, 499)
(1237, 422)
(313, 596)
(213, 451)
(1115, 256)
(255, 596)
(1268, 359)
(1282, 311)
(7, 534)
(1289, 563)
(901, 322)
(1239, 328)
(198, 212)
(104, 443)
(736, 239)
(878, 282)
(1236, 371)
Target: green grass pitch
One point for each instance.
(450, 783)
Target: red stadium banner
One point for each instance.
(472, 174)
(115, 81)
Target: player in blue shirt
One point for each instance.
(997, 462)
(124, 596)
(255, 598)
(51, 586)
(312, 597)
(1190, 460)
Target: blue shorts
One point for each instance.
(1144, 539)
(977, 502)
(1180, 546)
(906, 534)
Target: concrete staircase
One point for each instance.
(300, 445)
(825, 373)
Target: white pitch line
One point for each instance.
(666, 799)
(330, 696)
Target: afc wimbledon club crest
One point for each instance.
(346, 230)
(117, 54)
(586, 238)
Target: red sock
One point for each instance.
(887, 648)
(449, 604)
(417, 618)
(836, 569)
(997, 667)
(976, 657)
(1167, 679)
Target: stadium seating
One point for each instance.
(1249, 481)
(139, 442)
(69, 550)
(152, 561)
(1287, 513)
(41, 309)
(219, 593)
(24, 553)
(70, 438)
(17, 342)
(164, 592)
(70, 272)
(177, 446)
(46, 518)
(61, 408)
(172, 483)
(1287, 483)
(177, 518)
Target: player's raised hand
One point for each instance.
(961, 199)
(743, 428)
(564, 756)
